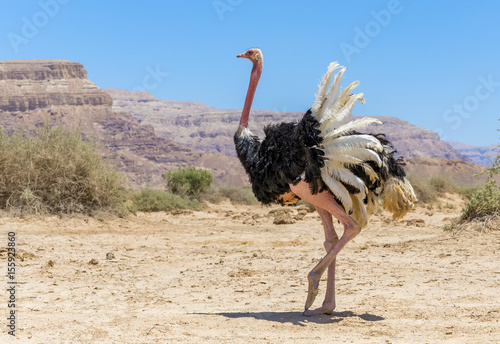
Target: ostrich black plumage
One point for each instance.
(288, 152)
(325, 160)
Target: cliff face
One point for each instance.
(34, 92)
(27, 85)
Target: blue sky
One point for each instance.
(432, 63)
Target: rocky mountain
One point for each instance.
(58, 92)
(479, 155)
(202, 127)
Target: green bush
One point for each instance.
(55, 171)
(189, 181)
(149, 200)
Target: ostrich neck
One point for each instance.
(254, 80)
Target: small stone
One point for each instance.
(284, 220)
(415, 223)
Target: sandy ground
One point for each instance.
(229, 275)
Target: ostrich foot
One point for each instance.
(326, 308)
(312, 290)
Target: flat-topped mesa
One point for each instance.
(27, 85)
(41, 70)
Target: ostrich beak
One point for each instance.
(242, 56)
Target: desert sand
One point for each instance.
(227, 274)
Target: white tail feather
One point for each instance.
(399, 196)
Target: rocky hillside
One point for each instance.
(202, 127)
(57, 92)
(456, 170)
(479, 155)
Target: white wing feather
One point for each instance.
(323, 86)
(363, 154)
(346, 152)
(353, 141)
(332, 130)
(332, 108)
(338, 190)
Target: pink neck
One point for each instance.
(254, 80)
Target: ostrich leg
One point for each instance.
(331, 239)
(327, 202)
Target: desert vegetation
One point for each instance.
(188, 188)
(55, 171)
(189, 181)
(428, 190)
(484, 204)
(184, 188)
(151, 200)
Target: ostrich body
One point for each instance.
(324, 160)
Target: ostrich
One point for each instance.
(324, 160)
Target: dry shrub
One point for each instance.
(484, 223)
(428, 190)
(426, 193)
(485, 202)
(55, 171)
(442, 184)
(483, 209)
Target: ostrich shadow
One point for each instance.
(297, 318)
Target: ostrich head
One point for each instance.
(254, 55)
